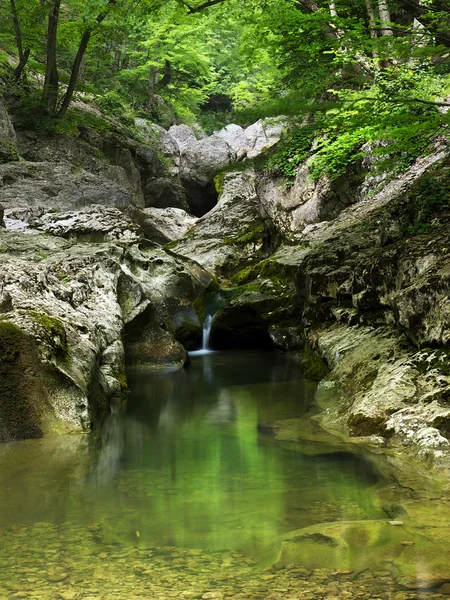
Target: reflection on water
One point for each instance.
(186, 467)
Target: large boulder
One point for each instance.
(8, 141)
(232, 233)
(202, 159)
(306, 201)
(94, 223)
(166, 224)
(255, 139)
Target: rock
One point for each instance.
(162, 192)
(156, 136)
(95, 223)
(263, 135)
(232, 233)
(172, 223)
(444, 589)
(183, 135)
(102, 159)
(28, 190)
(63, 309)
(147, 342)
(151, 163)
(286, 338)
(8, 140)
(235, 136)
(307, 201)
(202, 159)
(2, 212)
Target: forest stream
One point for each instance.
(187, 495)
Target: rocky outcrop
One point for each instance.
(162, 192)
(195, 162)
(100, 156)
(8, 140)
(64, 306)
(29, 189)
(372, 292)
(232, 234)
(306, 201)
(165, 225)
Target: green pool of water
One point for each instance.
(185, 495)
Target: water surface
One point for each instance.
(185, 484)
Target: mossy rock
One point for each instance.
(314, 367)
(23, 400)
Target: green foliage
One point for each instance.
(428, 200)
(293, 149)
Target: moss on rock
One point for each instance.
(23, 402)
(313, 366)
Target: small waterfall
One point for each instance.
(213, 306)
(207, 323)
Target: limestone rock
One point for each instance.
(8, 140)
(183, 135)
(202, 159)
(28, 190)
(232, 233)
(64, 306)
(263, 135)
(235, 136)
(95, 223)
(103, 158)
(172, 223)
(163, 192)
(156, 136)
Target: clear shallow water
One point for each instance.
(183, 490)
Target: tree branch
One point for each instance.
(397, 101)
(195, 9)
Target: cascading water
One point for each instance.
(207, 324)
(213, 307)
(207, 331)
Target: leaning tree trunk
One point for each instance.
(84, 42)
(50, 92)
(23, 55)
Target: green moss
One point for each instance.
(219, 183)
(56, 331)
(8, 151)
(253, 235)
(314, 367)
(21, 395)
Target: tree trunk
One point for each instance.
(79, 61)
(23, 56)
(152, 85)
(50, 92)
(22, 64)
(372, 26)
(385, 17)
(75, 73)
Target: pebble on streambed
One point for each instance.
(69, 563)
